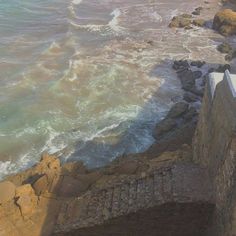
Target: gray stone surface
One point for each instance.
(182, 183)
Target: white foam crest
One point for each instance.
(101, 132)
(76, 2)
(49, 146)
(114, 23)
(28, 130)
(111, 28)
(12, 167)
(7, 167)
(90, 27)
(174, 13)
(72, 9)
(157, 16)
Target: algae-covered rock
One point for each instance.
(225, 22)
(199, 22)
(224, 48)
(181, 21)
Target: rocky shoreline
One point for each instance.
(34, 198)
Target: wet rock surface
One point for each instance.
(199, 22)
(188, 76)
(226, 48)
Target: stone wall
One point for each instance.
(215, 147)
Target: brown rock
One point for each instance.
(26, 199)
(41, 185)
(50, 162)
(199, 22)
(181, 21)
(7, 191)
(225, 22)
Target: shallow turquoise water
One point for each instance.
(81, 79)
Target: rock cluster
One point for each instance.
(186, 20)
(188, 76)
(225, 22)
(181, 21)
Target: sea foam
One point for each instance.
(76, 2)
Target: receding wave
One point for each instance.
(88, 80)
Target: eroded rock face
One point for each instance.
(7, 191)
(225, 22)
(199, 22)
(26, 199)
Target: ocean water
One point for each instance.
(89, 79)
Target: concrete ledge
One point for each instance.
(215, 78)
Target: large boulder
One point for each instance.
(49, 162)
(225, 22)
(181, 21)
(199, 22)
(7, 191)
(178, 109)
